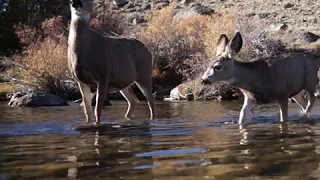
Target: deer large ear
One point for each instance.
(222, 44)
(235, 44)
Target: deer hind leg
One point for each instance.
(86, 100)
(301, 100)
(100, 97)
(311, 101)
(145, 87)
(283, 105)
(246, 108)
(132, 100)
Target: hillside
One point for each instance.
(295, 17)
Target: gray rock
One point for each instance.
(181, 92)
(278, 27)
(36, 100)
(264, 15)
(288, 5)
(145, 6)
(300, 38)
(120, 3)
(194, 9)
(310, 37)
(136, 18)
(160, 5)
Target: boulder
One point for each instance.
(194, 90)
(309, 37)
(69, 90)
(36, 99)
(181, 92)
(300, 37)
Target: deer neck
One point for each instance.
(244, 77)
(79, 37)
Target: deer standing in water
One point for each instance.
(265, 80)
(110, 63)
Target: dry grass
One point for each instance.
(44, 65)
(220, 23)
(181, 46)
(6, 88)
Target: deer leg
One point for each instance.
(86, 100)
(146, 91)
(245, 110)
(310, 104)
(101, 94)
(131, 99)
(283, 104)
(300, 100)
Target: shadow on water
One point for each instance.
(187, 141)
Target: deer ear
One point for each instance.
(235, 44)
(222, 44)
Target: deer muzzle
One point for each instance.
(76, 3)
(205, 82)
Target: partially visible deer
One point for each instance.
(265, 80)
(110, 63)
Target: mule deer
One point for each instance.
(110, 63)
(265, 80)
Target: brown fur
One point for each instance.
(111, 63)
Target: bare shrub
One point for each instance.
(181, 45)
(258, 42)
(107, 21)
(26, 34)
(44, 65)
(53, 28)
(221, 23)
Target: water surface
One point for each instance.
(187, 140)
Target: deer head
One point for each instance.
(81, 8)
(221, 68)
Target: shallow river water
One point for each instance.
(187, 140)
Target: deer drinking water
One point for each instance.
(265, 80)
(109, 63)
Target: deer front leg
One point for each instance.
(86, 100)
(245, 110)
(283, 104)
(102, 89)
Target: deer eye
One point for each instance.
(217, 67)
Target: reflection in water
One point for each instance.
(280, 149)
(194, 140)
